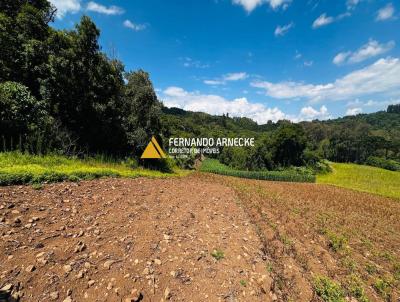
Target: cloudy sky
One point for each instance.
(264, 59)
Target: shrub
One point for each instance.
(328, 290)
(383, 163)
(213, 166)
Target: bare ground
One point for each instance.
(199, 238)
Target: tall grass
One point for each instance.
(19, 168)
(363, 178)
(214, 166)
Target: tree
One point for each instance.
(289, 145)
(142, 111)
(393, 108)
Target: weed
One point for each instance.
(337, 242)
(383, 287)
(371, 268)
(269, 267)
(396, 271)
(355, 288)
(328, 290)
(218, 254)
(37, 186)
(243, 283)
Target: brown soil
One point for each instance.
(199, 238)
(130, 240)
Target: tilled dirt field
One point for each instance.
(129, 240)
(198, 238)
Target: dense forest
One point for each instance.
(59, 93)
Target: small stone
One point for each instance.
(108, 264)
(87, 265)
(30, 268)
(157, 261)
(91, 282)
(17, 220)
(67, 268)
(68, 299)
(167, 294)
(54, 295)
(80, 275)
(7, 288)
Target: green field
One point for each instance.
(363, 178)
(18, 168)
(214, 166)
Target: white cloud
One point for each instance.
(215, 104)
(136, 27)
(101, 9)
(250, 5)
(325, 20)
(354, 111)
(385, 12)
(235, 76)
(322, 21)
(309, 113)
(341, 57)
(381, 77)
(66, 6)
(229, 77)
(368, 50)
(282, 30)
(189, 62)
(351, 4)
(308, 63)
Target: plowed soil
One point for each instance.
(198, 238)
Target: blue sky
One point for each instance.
(264, 59)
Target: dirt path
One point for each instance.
(130, 240)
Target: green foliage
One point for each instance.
(218, 254)
(355, 288)
(383, 288)
(328, 290)
(214, 166)
(393, 108)
(142, 111)
(383, 163)
(337, 242)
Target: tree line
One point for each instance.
(60, 92)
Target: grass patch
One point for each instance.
(337, 242)
(328, 290)
(214, 166)
(383, 287)
(218, 254)
(17, 168)
(363, 178)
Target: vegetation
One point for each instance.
(328, 290)
(383, 163)
(363, 178)
(214, 166)
(218, 254)
(18, 168)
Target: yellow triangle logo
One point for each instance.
(153, 150)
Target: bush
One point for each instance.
(383, 163)
(328, 290)
(213, 166)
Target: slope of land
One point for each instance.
(363, 178)
(200, 238)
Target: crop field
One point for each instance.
(324, 241)
(363, 178)
(18, 168)
(214, 166)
